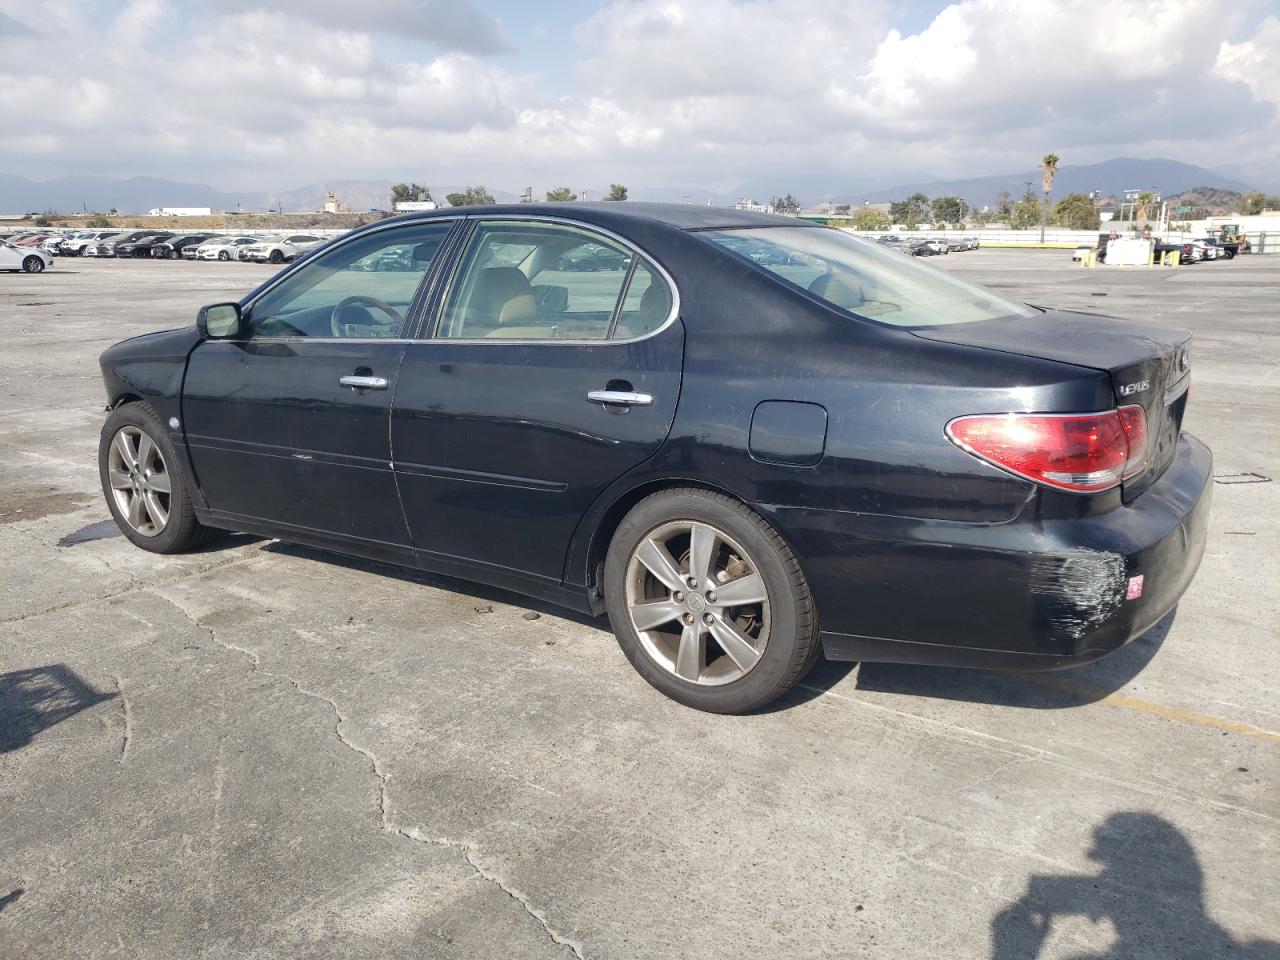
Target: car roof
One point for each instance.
(618, 214)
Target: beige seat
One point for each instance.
(503, 306)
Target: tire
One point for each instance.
(180, 531)
(223, 255)
(33, 265)
(782, 631)
(276, 257)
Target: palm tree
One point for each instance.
(1049, 167)
(1142, 209)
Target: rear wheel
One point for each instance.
(33, 265)
(147, 489)
(708, 602)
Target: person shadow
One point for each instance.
(1150, 889)
(35, 699)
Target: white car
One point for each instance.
(26, 259)
(76, 244)
(1079, 252)
(223, 248)
(279, 251)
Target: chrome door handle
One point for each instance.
(622, 398)
(363, 383)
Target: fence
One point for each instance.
(1263, 241)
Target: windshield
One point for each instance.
(864, 278)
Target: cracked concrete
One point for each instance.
(263, 751)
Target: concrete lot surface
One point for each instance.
(262, 751)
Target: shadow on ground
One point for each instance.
(37, 699)
(1149, 893)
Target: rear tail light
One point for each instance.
(1084, 452)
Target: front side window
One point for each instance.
(362, 288)
(543, 281)
(864, 278)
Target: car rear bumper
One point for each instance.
(1028, 594)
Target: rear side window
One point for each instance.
(865, 278)
(523, 280)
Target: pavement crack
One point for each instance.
(127, 709)
(467, 849)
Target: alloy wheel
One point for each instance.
(34, 265)
(140, 481)
(698, 603)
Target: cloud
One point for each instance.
(255, 96)
(448, 24)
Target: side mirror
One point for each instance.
(219, 321)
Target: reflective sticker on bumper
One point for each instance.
(1135, 588)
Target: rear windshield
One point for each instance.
(865, 278)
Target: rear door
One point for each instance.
(548, 374)
(288, 425)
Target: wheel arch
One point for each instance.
(585, 563)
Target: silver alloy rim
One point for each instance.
(140, 481)
(35, 265)
(698, 603)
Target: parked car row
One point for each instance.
(164, 245)
(1189, 251)
(927, 246)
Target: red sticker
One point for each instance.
(1135, 588)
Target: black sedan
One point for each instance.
(143, 246)
(761, 440)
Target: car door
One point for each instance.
(541, 381)
(287, 425)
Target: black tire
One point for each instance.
(223, 255)
(276, 257)
(33, 265)
(793, 645)
(183, 531)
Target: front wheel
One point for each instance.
(708, 602)
(276, 257)
(146, 486)
(33, 265)
(223, 255)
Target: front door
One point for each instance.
(288, 425)
(553, 369)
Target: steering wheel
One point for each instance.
(335, 318)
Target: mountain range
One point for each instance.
(1111, 177)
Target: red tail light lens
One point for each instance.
(1085, 452)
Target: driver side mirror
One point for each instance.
(218, 321)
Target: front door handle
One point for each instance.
(356, 382)
(622, 398)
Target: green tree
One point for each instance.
(617, 192)
(408, 192)
(911, 211)
(41, 221)
(1143, 208)
(1252, 204)
(787, 204)
(560, 195)
(1048, 170)
(1025, 213)
(470, 197)
(1076, 212)
(869, 218)
(948, 209)
(98, 222)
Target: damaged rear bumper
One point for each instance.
(1029, 594)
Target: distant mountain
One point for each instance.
(1264, 177)
(140, 194)
(1211, 201)
(134, 195)
(1112, 177)
(813, 188)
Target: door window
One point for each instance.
(360, 289)
(646, 304)
(541, 281)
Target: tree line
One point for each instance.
(480, 195)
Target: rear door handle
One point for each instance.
(363, 383)
(622, 398)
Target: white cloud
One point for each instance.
(707, 94)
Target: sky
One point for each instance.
(708, 94)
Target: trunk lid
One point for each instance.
(1147, 365)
